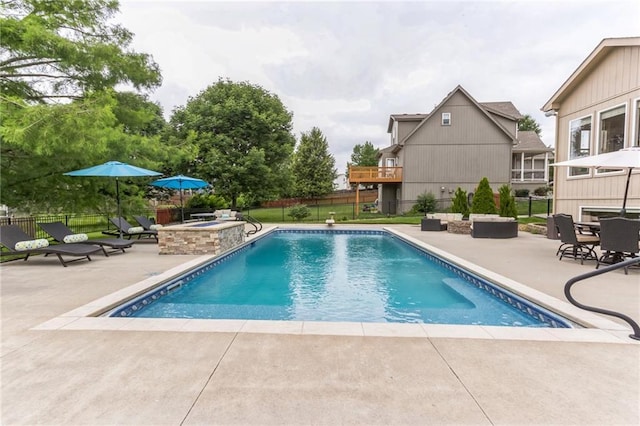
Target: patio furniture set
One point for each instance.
(478, 225)
(617, 237)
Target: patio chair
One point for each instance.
(146, 223)
(19, 242)
(62, 234)
(618, 240)
(574, 244)
(129, 231)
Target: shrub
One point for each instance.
(483, 202)
(206, 201)
(507, 203)
(299, 212)
(426, 203)
(460, 202)
(542, 191)
(522, 193)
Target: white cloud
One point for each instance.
(344, 67)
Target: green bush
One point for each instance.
(460, 202)
(299, 212)
(483, 202)
(521, 193)
(508, 206)
(542, 191)
(206, 201)
(426, 203)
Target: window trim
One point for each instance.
(591, 140)
(635, 123)
(445, 121)
(597, 136)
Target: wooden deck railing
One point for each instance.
(359, 174)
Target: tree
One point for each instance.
(67, 48)
(313, 166)
(365, 155)
(241, 138)
(425, 203)
(483, 202)
(460, 202)
(528, 123)
(508, 206)
(41, 142)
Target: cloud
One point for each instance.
(344, 67)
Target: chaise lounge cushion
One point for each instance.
(75, 238)
(31, 244)
(135, 230)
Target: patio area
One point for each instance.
(163, 373)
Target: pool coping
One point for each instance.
(599, 329)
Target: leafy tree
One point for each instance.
(364, 155)
(460, 202)
(529, 123)
(483, 202)
(313, 166)
(241, 137)
(67, 48)
(41, 142)
(508, 206)
(426, 203)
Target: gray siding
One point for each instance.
(461, 154)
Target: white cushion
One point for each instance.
(32, 244)
(135, 230)
(155, 227)
(75, 238)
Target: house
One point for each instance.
(456, 145)
(340, 182)
(530, 164)
(597, 110)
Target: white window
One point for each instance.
(579, 143)
(636, 124)
(446, 119)
(611, 134)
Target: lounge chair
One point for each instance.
(19, 242)
(62, 234)
(146, 223)
(128, 230)
(574, 244)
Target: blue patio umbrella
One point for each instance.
(114, 169)
(180, 182)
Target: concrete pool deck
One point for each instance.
(447, 375)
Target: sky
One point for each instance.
(346, 66)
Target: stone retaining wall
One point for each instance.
(459, 227)
(188, 239)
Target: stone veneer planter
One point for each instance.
(201, 237)
(459, 227)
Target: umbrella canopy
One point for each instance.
(180, 182)
(626, 159)
(114, 169)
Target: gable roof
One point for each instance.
(404, 117)
(473, 101)
(586, 67)
(529, 141)
(505, 109)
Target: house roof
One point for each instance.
(404, 117)
(586, 67)
(480, 107)
(529, 141)
(506, 109)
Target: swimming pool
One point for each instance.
(320, 275)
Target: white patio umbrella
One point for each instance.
(624, 159)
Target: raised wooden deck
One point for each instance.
(366, 175)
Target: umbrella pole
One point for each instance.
(626, 191)
(118, 203)
(181, 205)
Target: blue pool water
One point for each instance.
(337, 276)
